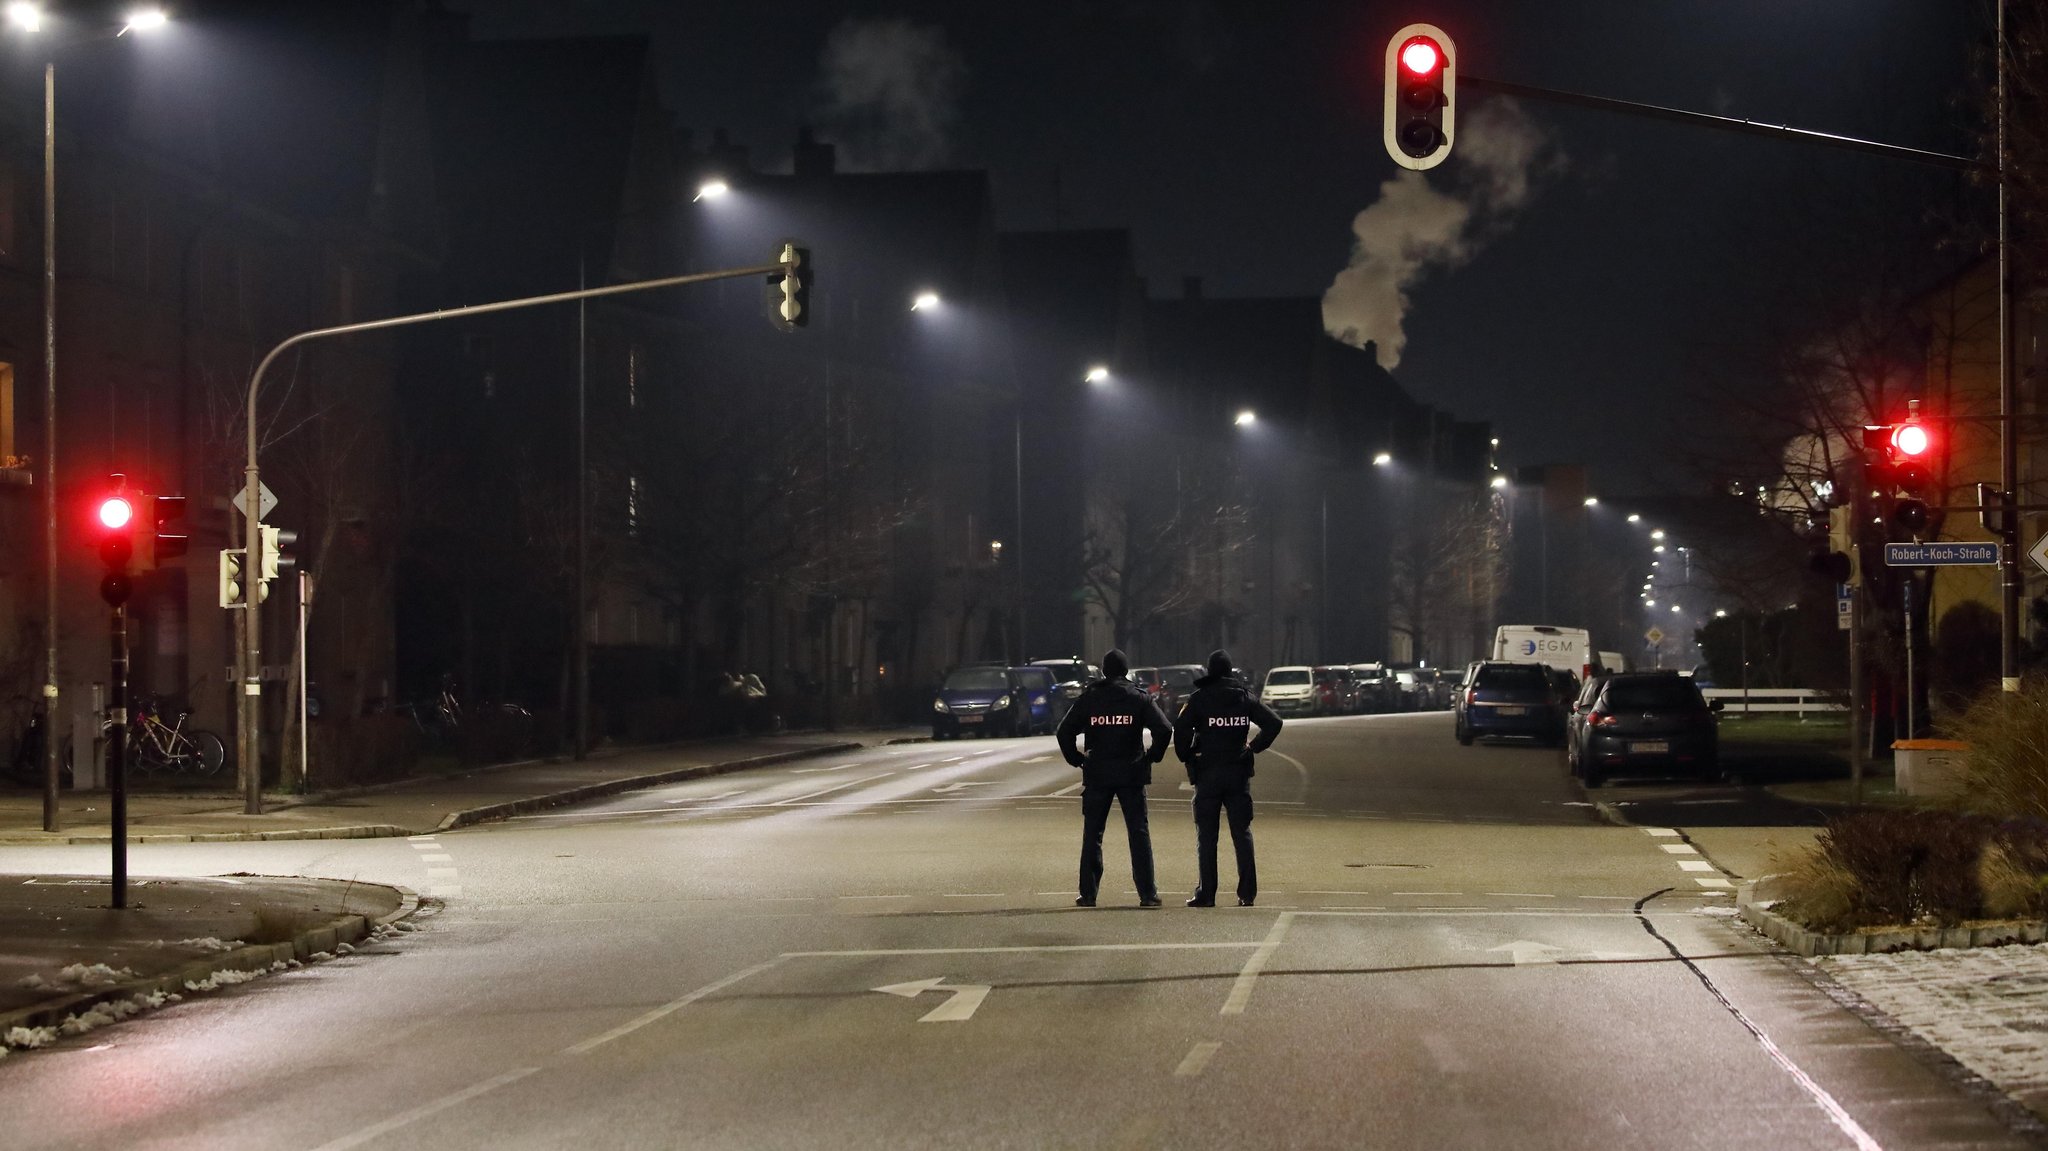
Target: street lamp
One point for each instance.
(1635, 518)
(712, 189)
(1500, 482)
(1247, 418)
(1592, 501)
(28, 17)
(1097, 375)
(925, 302)
(1382, 459)
(1657, 534)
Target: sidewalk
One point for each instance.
(73, 963)
(411, 807)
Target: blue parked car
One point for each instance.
(1509, 699)
(983, 699)
(1044, 703)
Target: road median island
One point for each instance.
(74, 963)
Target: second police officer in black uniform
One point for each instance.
(1112, 716)
(1210, 737)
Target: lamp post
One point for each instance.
(27, 17)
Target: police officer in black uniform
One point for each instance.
(1210, 736)
(1112, 715)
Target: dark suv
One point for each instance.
(1654, 721)
(1509, 699)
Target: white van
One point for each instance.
(1613, 662)
(1566, 648)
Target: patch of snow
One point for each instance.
(320, 956)
(211, 943)
(221, 979)
(1983, 1005)
(344, 949)
(94, 975)
(33, 983)
(1722, 912)
(29, 1036)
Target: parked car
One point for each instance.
(1291, 691)
(1376, 689)
(1176, 684)
(981, 700)
(1654, 721)
(1336, 694)
(1147, 678)
(1575, 720)
(1409, 690)
(1509, 700)
(1073, 674)
(1043, 703)
(1438, 688)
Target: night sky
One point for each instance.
(1614, 273)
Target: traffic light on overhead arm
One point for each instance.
(1420, 100)
(789, 291)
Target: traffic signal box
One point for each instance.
(1421, 99)
(789, 291)
(1900, 459)
(113, 522)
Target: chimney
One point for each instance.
(1372, 350)
(813, 159)
(1192, 287)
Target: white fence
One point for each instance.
(1800, 700)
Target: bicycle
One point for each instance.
(154, 745)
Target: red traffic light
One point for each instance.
(1421, 56)
(1911, 441)
(116, 512)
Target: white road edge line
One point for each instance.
(1241, 991)
(876, 953)
(1197, 1058)
(669, 1008)
(404, 1118)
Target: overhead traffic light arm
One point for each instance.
(1727, 123)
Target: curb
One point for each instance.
(1803, 941)
(514, 807)
(351, 831)
(900, 740)
(459, 818)
(303, 946)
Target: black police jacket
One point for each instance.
(1112, 715)
(1213, 734)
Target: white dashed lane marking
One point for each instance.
(1197, 1058)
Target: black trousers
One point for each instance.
(1095, 803)
(1237, 804)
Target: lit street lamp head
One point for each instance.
(147, 19)
(1592, 501)
(25, 16)
(925, 302)
(1097, 375)
(1247, 418)
(1500, 481)
(1382, 459)
(712, 189)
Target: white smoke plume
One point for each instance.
(1414, 227)
(891, 92)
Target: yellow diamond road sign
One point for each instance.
(1654, 636)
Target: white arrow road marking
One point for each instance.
(958, 1009)
(956, 786)
(830, 790)
(1069, 789)
(1035, 759)
(1527, 952)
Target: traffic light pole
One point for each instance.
(248, 744)
(117, 753)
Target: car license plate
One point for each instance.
(1511, 711)
(1651, 747)
(970, 719)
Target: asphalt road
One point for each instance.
(1450, 950)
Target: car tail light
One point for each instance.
(1601, 719)
(1471, 695)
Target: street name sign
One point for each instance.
(1940, 555)
(2039, 552)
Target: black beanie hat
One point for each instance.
(1220, 664)
(1114, 665)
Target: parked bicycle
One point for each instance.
(159, 745)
